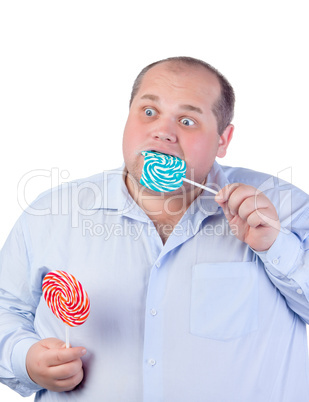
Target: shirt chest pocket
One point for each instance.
(224, 300)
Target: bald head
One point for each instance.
(223, 107)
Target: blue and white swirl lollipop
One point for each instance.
(162, 172)
(165, 173)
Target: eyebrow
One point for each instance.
(151, 97)
(190, 108)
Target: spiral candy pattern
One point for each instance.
(66, 298)
(162, 172)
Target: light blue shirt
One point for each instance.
(202, 318)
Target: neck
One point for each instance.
(164, 209)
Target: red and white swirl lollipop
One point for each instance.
(66, 298)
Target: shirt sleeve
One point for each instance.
(17, 310)
(287, 265)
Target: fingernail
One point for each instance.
(218, 197)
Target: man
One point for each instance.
(193, 297)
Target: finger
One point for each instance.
(67, 370)
(227, 212)
(239, 195)
(223, 195)
(68, 384)
(255, 219)
(64, 355)
(222, 198)
(262, 217)
(52, 343)
(251, 204)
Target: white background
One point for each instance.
(67, 69)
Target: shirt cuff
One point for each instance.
(283, 256)
(18, 360)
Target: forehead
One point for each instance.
(180, 78)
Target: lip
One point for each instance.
(163, 151)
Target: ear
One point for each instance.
(225, 139)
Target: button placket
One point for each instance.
(153, 335)
(299, 291)
(152, 362)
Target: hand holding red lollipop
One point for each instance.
(48, 362)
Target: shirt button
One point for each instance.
(299, 291)
(153, 311)
(152, 362)
(158, 264)
(275, 261)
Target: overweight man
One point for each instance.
(194, 297)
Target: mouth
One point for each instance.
(162, 151)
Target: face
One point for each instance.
(172, 113)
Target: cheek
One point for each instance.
(200, 155)
(131, 146)
(197, 150)
(129, 136)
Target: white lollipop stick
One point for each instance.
(200, 185)
(67, 336)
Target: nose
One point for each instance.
(165, 132)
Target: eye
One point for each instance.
(187, 122)
(150, 112)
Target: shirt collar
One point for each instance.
(108, 191)
(205, 205)
(216, 180)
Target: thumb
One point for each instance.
(53, 343)
(224, 194)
